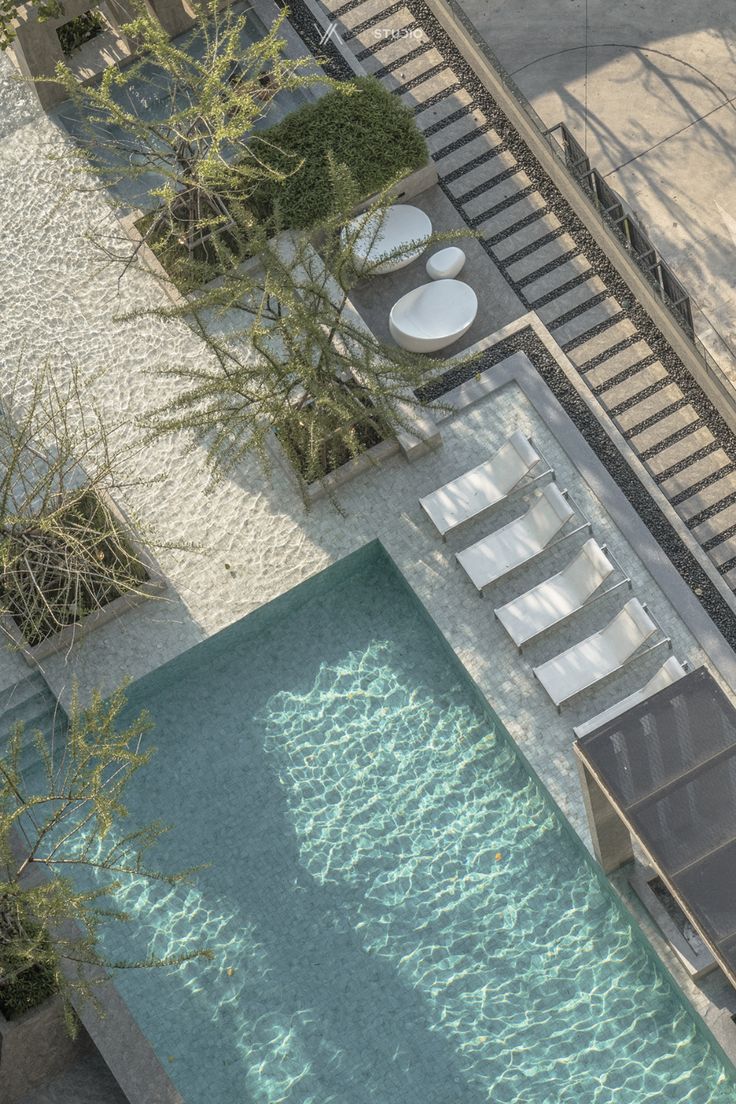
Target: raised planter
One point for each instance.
(37, 51)
(33, 1049)
(152, 586)
(411, 185)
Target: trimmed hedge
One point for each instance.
(370, 131)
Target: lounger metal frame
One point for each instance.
(525, 483)
(552, 544)
(598, 593)
(638, 654)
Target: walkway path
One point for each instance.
(500, 191)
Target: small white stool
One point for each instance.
(445, 264)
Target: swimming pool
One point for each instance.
(398, 911)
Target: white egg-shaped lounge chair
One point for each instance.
(433, 315)
(401, 227)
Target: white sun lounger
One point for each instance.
(598, 656)
(471, 494)
(670, 671)
(519, 542)
(554, 600)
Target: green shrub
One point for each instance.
(370, 131)
(34, 985)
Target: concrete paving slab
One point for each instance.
(663, 429)
(694, 473)
(600, 342)
(477, 147)
(537, 289)
(618, 363)
(569, 300)
(708, 496)
(521, 239)
(633, 385)
(646, 408)
(527, 266)
(495, 194)
(506, 220)
(680, 450)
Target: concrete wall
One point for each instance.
(33, 1049)
(37, 50)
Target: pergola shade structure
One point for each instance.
(664, 772)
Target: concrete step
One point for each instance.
(368, 14)
(646, 409)
(678, 425)
(587, 319)
(484, 151)
(388, 54)
(531, 206)
(569, 300)
(711, 497)
(15, 696)
(597, 347)
(635, 386)
(411, 70)
(478, 177)
(723, 554)
(526, 268)
(528, 237)
(547, 283)
(418, 92)
(681, 453)
(721, 524)
(85, 1081)
(482, 206)
(695, 475)
(449, 120)
(613, 369)
(35, 707)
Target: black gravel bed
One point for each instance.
(615, 463)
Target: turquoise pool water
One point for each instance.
(399, 913)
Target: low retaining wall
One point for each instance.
(34, 1049)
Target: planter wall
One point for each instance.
(37, 50)
(33, 1049)
(153, 586)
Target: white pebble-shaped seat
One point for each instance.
(401, 225)
(446, 264)
(433, 315)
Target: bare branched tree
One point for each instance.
(290, 354)
(63, 550)
(65, 851)
(179, 127)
